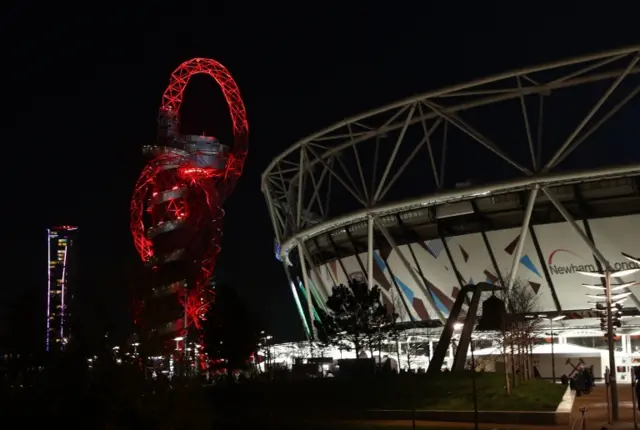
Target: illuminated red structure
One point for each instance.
(176, 208)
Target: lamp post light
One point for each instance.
(181, 365)
(553, 356)
(178, 340)
(135, 348)
(605, 304)
(265, 347)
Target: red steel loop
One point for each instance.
(172, 99)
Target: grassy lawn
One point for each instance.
(445, 391)
(456, 394)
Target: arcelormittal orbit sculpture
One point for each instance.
(176, 208)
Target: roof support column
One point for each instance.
(307, 284)
(524, 229)
(323, 287)
(572, 222)
(370, 251)
(296, 298)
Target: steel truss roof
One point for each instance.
(302, 184)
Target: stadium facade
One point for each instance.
(386, 196)
(427, 272)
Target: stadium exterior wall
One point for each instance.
(564, 254)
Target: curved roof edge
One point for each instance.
(458, 195)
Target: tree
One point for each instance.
(356, 315)
(522, 301)
(397, 331)
(517, 337)
(231, 331)
(328, 331)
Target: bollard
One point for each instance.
(634, 400)
(413, 418)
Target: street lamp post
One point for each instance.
(266, 348)
(458, 326)
(178, 340)
(474, 388)
(267, 344)
(553, 355)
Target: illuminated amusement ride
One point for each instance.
(176, 209)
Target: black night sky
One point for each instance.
(82, 87)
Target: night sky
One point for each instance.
(82, 88)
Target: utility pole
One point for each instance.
(553, 356)
(613, 384)
(608, 308)
(474, 389)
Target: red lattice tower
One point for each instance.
(176, 208)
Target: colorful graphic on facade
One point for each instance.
(561, 255)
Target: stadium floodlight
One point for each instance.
(553, 355)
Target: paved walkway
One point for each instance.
(442, 424)
(597, 413)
